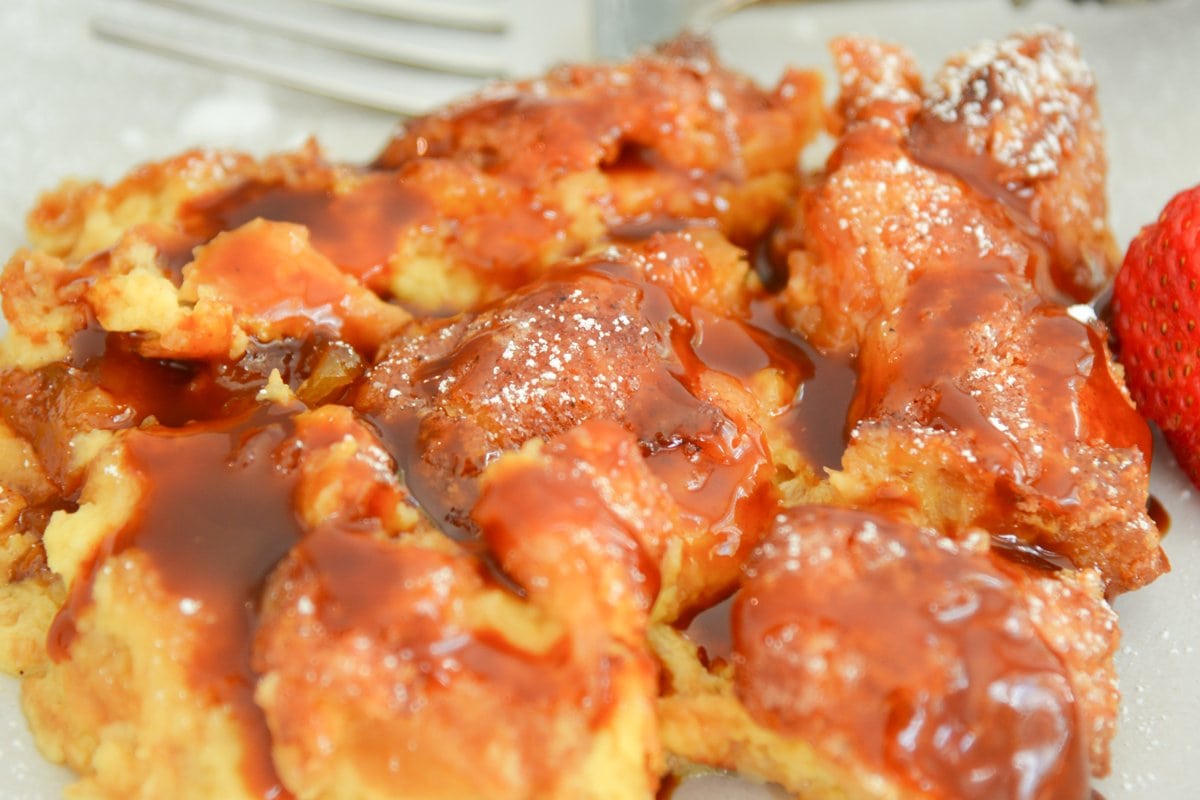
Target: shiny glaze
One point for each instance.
(818, 417)
(1028, 554)
(950, 689)
(942, 146)
(917, 370)
(357, 228)
(215, 517)
(1158, 512)
(406, 599)
(175, 392)
(593, 342)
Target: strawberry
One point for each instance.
(1156, 319)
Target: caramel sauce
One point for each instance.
(215, 517)
(645, 226)
(818, 419)
(667, 787)
(174, 249)
(33, 519)
(742, 347)
(946, 690)
(46, 407)
(1020, 551)
(175, 392)
(403, 598)
(769, 258)
(357, 229)
(1158, 512)
(920, 369)
(30, 564)
(628, 350)
(943, 146)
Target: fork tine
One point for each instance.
(375, 84)
(480, 15)
(470, 52)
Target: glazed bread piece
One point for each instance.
(175, 532)
(999, 158)
(409, 665)
(932, 250)
(646, 336)
(373, 632)
(869, 658)
(468, 203)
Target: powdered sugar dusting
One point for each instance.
(1020, 99)
(876, 77)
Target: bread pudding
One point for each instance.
(583, 441)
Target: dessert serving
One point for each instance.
(582, 442)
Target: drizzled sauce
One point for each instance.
(406, 599)
(216, 515)
(172, 391)
(667, 787)
(175, 391)
(948, 689)
(923, 372)
(592, 342)
(31, 564)
(1158, 512)
(944, 145)
(1029, 554)
(357, 229)
(818, 418)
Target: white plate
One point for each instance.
(73, 106)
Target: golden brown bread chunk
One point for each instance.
(671, 135)
(871, 659)
(1015, 423)
(929, 249)
(406, 666)
(609, 337)
(175, 531)
(469, 203)
(1000, 158)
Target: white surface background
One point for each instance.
(72, 106)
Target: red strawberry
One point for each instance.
(1156, 317)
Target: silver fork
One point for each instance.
(403, 56)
